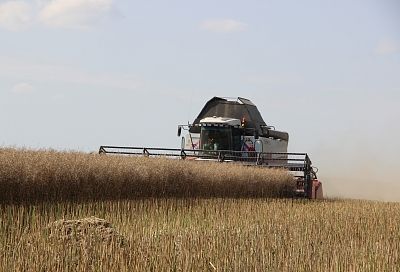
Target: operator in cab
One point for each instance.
(211, 144)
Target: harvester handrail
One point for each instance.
(194, 150)
(188, 151)
(293, 160)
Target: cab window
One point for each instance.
(215, 138)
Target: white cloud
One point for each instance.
(15, 15)
(387, 47)
(223, 25)
(19, 14)
(74, 13)
(22, 88)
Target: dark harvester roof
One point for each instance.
(239, 108)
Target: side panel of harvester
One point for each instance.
(271, 145)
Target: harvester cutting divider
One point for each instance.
(233, 131)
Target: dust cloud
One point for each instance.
(360, 168)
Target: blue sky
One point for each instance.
(76, 74)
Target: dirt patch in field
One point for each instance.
(86, 230)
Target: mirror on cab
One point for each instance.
(179, 131)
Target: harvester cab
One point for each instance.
(216, 133)
(232, 130)
(235, 127)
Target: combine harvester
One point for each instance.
(233, 131)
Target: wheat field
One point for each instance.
(69, 211)
(208, 235)
(28, 176)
